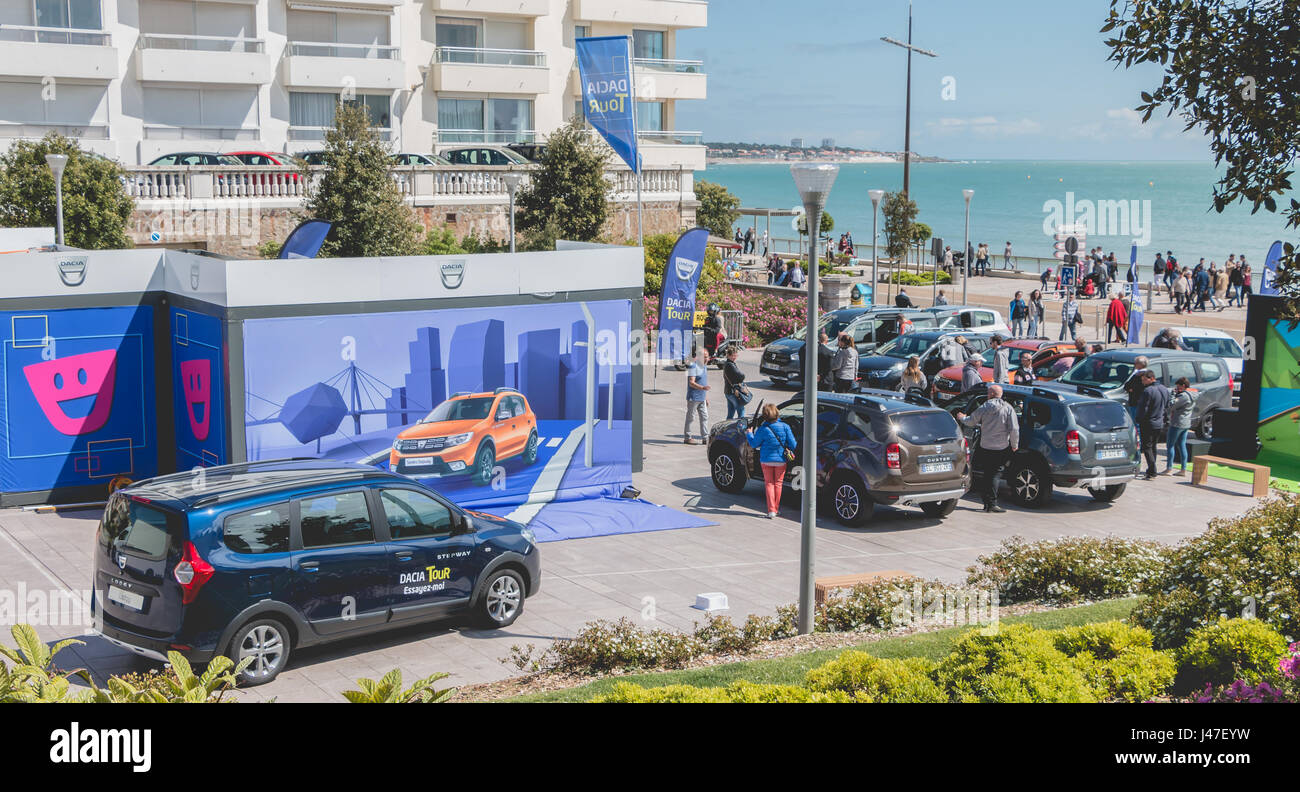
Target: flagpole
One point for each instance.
(631, 73)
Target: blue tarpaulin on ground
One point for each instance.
(581, 519)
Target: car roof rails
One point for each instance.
(1044, 393)
(505, 390)
(458, 394)
(1084, 390)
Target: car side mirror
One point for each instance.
(463, 524)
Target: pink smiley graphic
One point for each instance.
(196, 383)
(88, 376)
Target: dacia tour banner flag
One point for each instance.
(677, 300)
(1133, 265)
(606, 75)
(1268, 283)
(1135, 318)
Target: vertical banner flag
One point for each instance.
(1135, 317)
(677, 300)
(606, 74)
(1133, 265)
(1267, 286)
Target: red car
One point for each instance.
(1048, 362)
(269, 158)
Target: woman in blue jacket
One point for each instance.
(773, 439)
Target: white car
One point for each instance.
(1219, 344)
(967, 317)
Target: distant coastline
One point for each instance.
(851, 159)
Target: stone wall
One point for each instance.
(237, 228)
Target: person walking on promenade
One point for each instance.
(1070, 317)
(1181, 403)
(776, 446)
(697, 396)
(970, 374)
(1153, 405)
(1179, 292)
(1234, 282)
(999, 439)
(982, 259)
(1220, 288)
(734, 384)
(764, 240)
(1001, 361)
(1019, 312)
(1024, 375)
(1116, 321)
(796, 276)
(748, 241)
(1006, 256)
(912, 377)
(1201, 285)
(1247, 285)
(845, 365)
(1158, 272)
(1037, 314)
(1044, 278)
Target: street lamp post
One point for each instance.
(814, 184)
(57, 163)
(876, 195)
(513, 181)
(965, 250)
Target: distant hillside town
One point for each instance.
(797, 151)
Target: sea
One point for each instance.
(1161, 206)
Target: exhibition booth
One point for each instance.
(505, 381)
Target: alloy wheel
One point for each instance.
(265, 645)
(503, 598)
(846, 502)
(724, 472)
(1027, 485)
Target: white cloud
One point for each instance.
(985, 127)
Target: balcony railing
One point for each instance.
(199, 132)
(489, 57)
(672, 66)
(486, 136)
(167, 41)
(55, 35)
(425, 184)
(83, 131)
(318, 132)
(672, 138)
(324, 49)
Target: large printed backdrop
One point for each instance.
(77, 397)
(343, 387)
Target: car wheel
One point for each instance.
(728, 471)
(1205, 430)
(502, 600)
(939, 509)
(1107, 494)
(1030, 483)
(850, 502)
(530, 450)
(267, 642)
(484, 461)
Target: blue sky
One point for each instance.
(1031, 78)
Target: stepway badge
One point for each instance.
(685, 267)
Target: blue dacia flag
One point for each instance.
(1268, 285)
(606, 74)
(677, 300)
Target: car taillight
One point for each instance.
(192, 572)
(893, 456)
(1072, 442)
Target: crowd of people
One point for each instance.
(1190, 288)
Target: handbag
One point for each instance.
(789, 455)
(743, 393)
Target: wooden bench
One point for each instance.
(1261, 473)
(824, 586)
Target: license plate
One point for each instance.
(419, 462)
(127, 599)
(937, 467)
(1110, 453)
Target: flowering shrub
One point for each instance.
(1068, 569)
(767, 316)
(1245, 565)
(1232, 649)
(1242, 692)
(1289, 664)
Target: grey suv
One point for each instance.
(885, 368)
(870, 328)
(874, 447)
(1107, 372)
(1066, 440)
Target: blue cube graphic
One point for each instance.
(539, 371)
(426, 384)
(477, 357)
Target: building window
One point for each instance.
(648, 44)
(200, 113)
(80, 14)
(317, 109)
(467, 33)
(649, 116)
(485, 120)
(581, 31)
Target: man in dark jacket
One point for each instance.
(1152, 405)
(825, 353)
(901, 300)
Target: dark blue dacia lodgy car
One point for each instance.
(261, 558)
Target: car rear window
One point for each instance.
(1107, 416)
(258, 531)
(1098, 372)
(1208, 372)
(140, 530)
(1219, 347)
(925, 426)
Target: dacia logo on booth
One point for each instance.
(72, 271)
(453, 273)
(686, 268)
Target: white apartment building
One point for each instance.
(135, 79)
